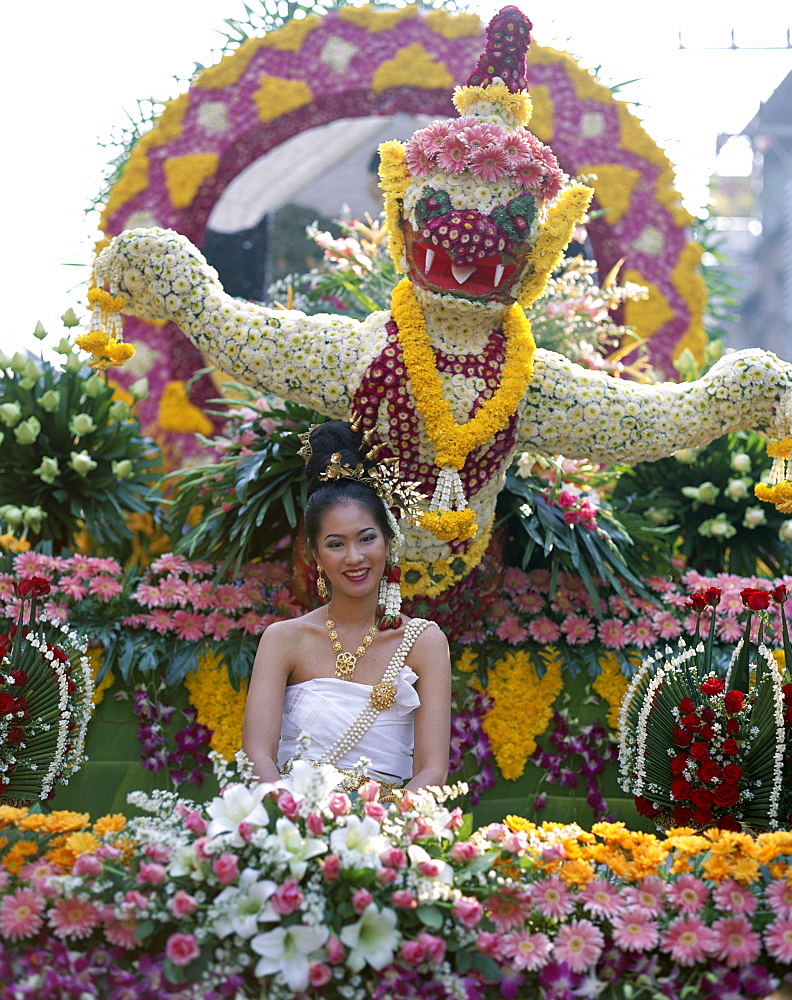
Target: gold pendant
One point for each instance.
(345, 666)
(383, 695)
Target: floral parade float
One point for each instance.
(307, 892)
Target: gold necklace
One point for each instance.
(346, 662)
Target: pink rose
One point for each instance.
(203, 848)
(151, 874)
(489, 943)
(159, 853)
(361, 898)
(331, 867)
(288, 805)
(463, 851)
(403, 899)
(335, 950)
(494, 832)
(134, 898)
(468, 911)
(319, 974)
(413, 952)
(554, 852)
(315, 825)
(181, 949)
(376, 810)
(226, 868)
(339, 804)
(434, 946)
(182, 904)
(430, 869)
(245, 831)
(386, 875)
(286, 898)
(405, 803)
(195, 823)
(394, 857)
(87, 866)
(369, 791)
(514, 843)
(455, 819)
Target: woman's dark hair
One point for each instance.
(324, 495)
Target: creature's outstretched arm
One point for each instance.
(584, 414)
(315, 360)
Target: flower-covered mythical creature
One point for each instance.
(479, 215)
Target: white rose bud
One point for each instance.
(18, 362)
(139, 389)
(81, 424)
(81, 462)
(686, 455)
(5, 361)
(785, 531)
(27, 432)
(754, 516)
(10, 413)
(718, 527)
(741, 462)
(737, 489)
(72, 363)
(48, 470)
(122, 469)
(32, 517)
(119, 410)
(69, 318)
(40, 333)
(13, 515)
(64, 346)
(49, 401)
(708, 493)
(94, 386)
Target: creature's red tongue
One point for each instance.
(431, 267)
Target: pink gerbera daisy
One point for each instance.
(649, 895)
(736, 942)
(578, 943)
(171, 563)
(511, 631)
(530, 603)
(515, 581)
(635, 931)
(105, 587)
(148, 595)
(251, 623)
(173, 590)
(416, 160)
(552, 898)
(72, 587)
(482, 134)
(527, 173)
(21, 914)
(666, 625)
(729, 628)
(601, 899)
(577, 629)
(526, 950)
(158, 621)
(517, 148)
(73, 918)
(218, 625)
(735, 898)
(688, 940)
(188, 625)
(122, 932)
(689, 894)
(779, 897)
(612, 633)
(642, 632)
(508, 909)
(544, 629)
(489, 163)
(778, 939)
(433, 137)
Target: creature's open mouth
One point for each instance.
(433, 268)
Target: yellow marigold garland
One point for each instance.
(611, 685)
(453, 442)
(779, 490)
(219, 707)
(393, 180)
(437, 576)
(514, 683)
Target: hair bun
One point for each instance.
(327, 439)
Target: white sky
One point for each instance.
(73, 70)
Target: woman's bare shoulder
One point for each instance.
(289, 630)
(432, 640)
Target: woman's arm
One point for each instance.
(432, 662)
(264, 705)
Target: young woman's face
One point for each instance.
(351, 549)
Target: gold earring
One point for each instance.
(321, 586)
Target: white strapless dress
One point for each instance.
(325, 707)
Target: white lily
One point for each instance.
(372, 940)
(238, 804)
(244, 905)
(359, 840)
(313, 783)
(288, 845)
(287, 951)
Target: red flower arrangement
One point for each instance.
(706, 744)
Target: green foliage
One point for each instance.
(248, 502)
(707, 495)
(71, 455)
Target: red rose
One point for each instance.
(732, 773)
(733, 702)
(15, 734)
(733, 727)
(779, 594)
(712, 685)
(680, 788)
(645, 807)
(701, 798)
(18, 678)
(729, 823)
(32, 586)
(726, 794)
(682, 737)
(678, 764)
(755, 599)
(706, 732)
(730, 748)
(708, 771)
(698, 602)
(687, 705)
(708, 714)
(700, 751)
(712, 596)
(682, 815)
(7, 702)
(691, 721)
(787, 692)
(702, 817)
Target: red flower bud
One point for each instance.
(712, 596)
(729, 747)
(712, 685)
(687, 705)
(755, 599)
(733, 702)
(32, 586)
(698, 602)
(779, 594)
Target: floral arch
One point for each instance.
(360, 61)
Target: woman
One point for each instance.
(389, 700)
